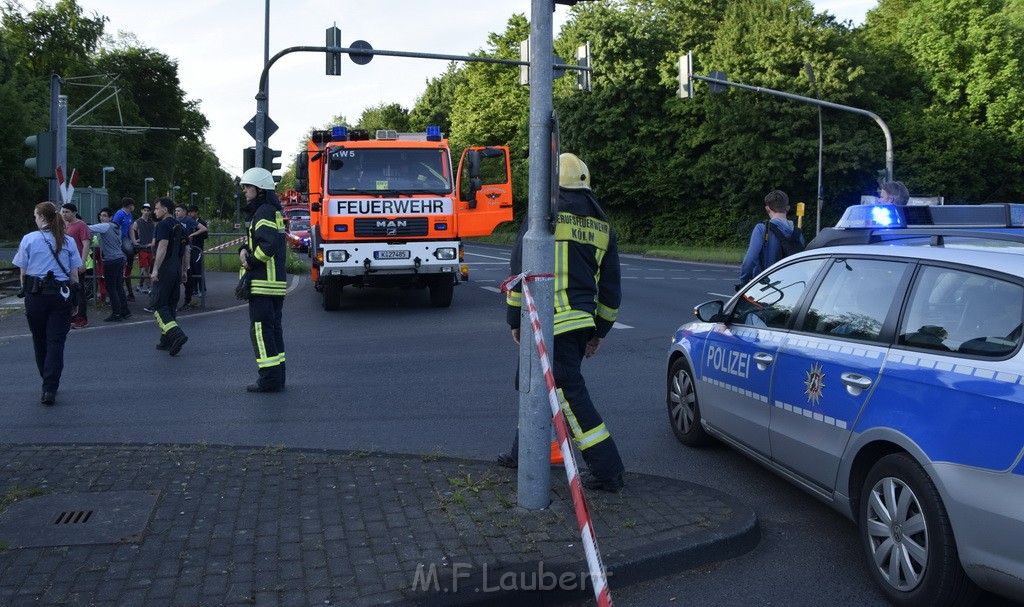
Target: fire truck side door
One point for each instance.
(484, 187)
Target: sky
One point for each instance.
(219, 47)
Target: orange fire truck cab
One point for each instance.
(390, 211)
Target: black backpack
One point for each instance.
(792, 244)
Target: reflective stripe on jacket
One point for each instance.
(588, 289)
(266, 244)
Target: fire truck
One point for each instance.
(390, 211)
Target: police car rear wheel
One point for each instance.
(683, 409)
(907, 538)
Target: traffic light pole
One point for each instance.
(53, 189)
(713, 82)
(259, 130)
(538, 259)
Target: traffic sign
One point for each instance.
(269, 127)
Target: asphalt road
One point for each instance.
(389, 373)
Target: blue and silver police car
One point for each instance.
(881, 370)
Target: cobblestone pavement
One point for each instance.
(206, 525)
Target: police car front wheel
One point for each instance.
(907, 538)
(683, 409)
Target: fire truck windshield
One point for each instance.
(391, 171)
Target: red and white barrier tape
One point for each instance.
(227, 244)
(597, 571)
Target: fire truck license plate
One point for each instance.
(391, 254)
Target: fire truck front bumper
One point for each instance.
(359, 259)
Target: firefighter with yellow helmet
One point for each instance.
(263, 258)
(587, 295)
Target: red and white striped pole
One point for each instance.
(598, 575)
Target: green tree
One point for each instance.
(385, 116)
(491, 108)
(434, 106)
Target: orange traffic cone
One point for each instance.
(556, 453)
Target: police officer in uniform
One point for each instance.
(587, 297)
(263, 257)
(49, 262)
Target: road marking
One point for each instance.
(493, 289)
(619, 325)
(486, 256)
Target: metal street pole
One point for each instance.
(192, 198)
(105, 171)
(174, 188)
(821, 145)
(145, 189)
(538, 259)
(263, 97)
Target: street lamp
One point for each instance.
(821, 141)
(206, 205)
(105, 171)
(174, 188)
(192, 198)
(145, 189)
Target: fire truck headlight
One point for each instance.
(445, 253)
(337, 256)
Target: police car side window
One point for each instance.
(770, 302)
(854, 298)
(958, 311)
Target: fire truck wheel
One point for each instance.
(331, 293)
(441, 290)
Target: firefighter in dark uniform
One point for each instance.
(263, 257)
(587, 295)
(170, 271)
(49, 262)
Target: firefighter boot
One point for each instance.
(177, 338)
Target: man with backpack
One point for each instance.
(770, 240)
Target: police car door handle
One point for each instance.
(855, 383)
(762, 360)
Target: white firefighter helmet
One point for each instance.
(259, 177)
(572, 173)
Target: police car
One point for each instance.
(881, 370)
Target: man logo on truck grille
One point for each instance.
(392, 225)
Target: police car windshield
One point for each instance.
(393, 171)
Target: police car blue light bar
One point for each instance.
(872, 216)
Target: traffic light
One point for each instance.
(686, 75)
(248, 158)
(333, 59)
(268, 162)
(45, 160)
(583, 60)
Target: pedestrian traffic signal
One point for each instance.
(45, 160)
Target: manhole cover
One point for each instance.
(73, 519)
